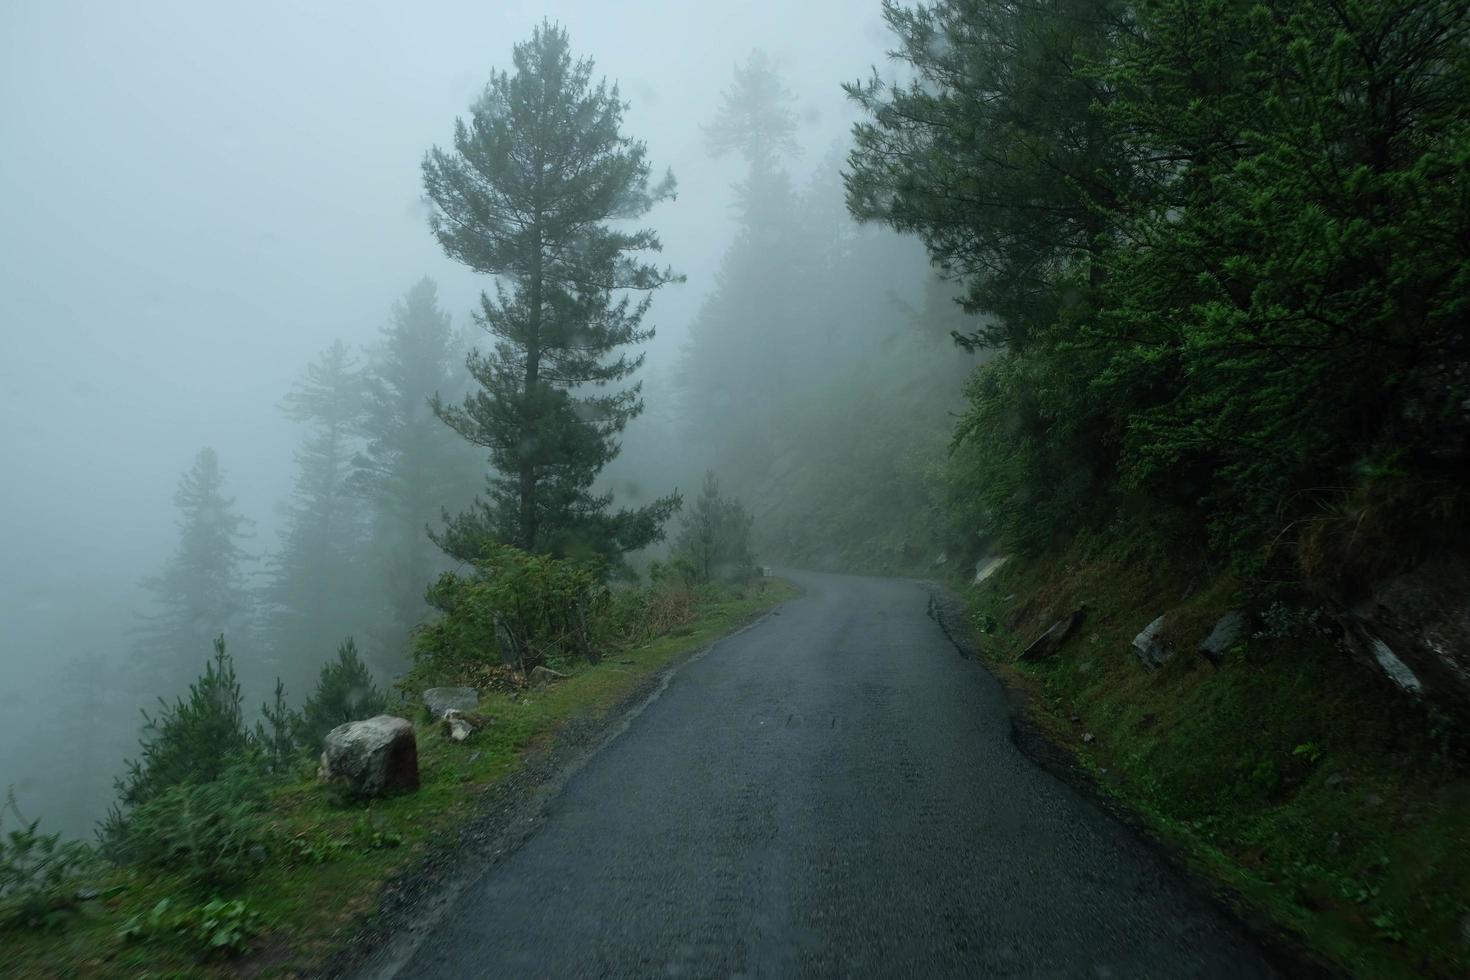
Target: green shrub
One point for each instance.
(517, 608)
(344, 692)
(209, 833)
(214, 928)
(36, 872)
(194, 740)
(714, 539)
(635, 616)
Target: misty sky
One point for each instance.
(195, 198)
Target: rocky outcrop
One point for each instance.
(1229, 630)
(439, 700)
(1048, 643)
(371, 758)
(1149, 646)
(1415, 630)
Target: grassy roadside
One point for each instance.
(1322, 802)
(328, 862)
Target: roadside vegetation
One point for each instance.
(1331, 809)
(239, 860)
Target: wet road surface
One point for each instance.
(831, 793)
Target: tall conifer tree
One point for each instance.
(536, 191)
(314, 594)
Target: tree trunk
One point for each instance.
(531, 416)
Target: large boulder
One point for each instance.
(1150, 647)
(371, 758)
(441, 700)
(1051, 641)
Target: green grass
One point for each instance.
(327, 861)
(1289, 774)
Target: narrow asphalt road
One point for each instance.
(832, 793)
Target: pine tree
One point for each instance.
(413, 467)
(715, 536)
(200, 592)
(194, 739)
(996, 153)
(529, 194)
(344, 692)
(315, 587)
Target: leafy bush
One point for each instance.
(344, 692)
(635, 616)
(216, 927)
(208, 832)
(517, 608)
(714, 539)
(35, 872)
(194, 740)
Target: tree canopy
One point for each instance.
(537, 191)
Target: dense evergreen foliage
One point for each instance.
(196, 739)
(536, 191)
(1222, 248)
(344, 692)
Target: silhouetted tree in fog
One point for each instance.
(413, 467)
(315, 591)
(736, 366)
(529, 194)
(200, 593)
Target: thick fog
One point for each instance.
(197, 201)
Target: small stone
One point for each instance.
(545, 675)
(986, 567)
(1074, 719)
(1228, 631)
(1051, 641)
(1088, 738)
(1149, 648)
(1372, 799)
(1336, 779)
(459, 726)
